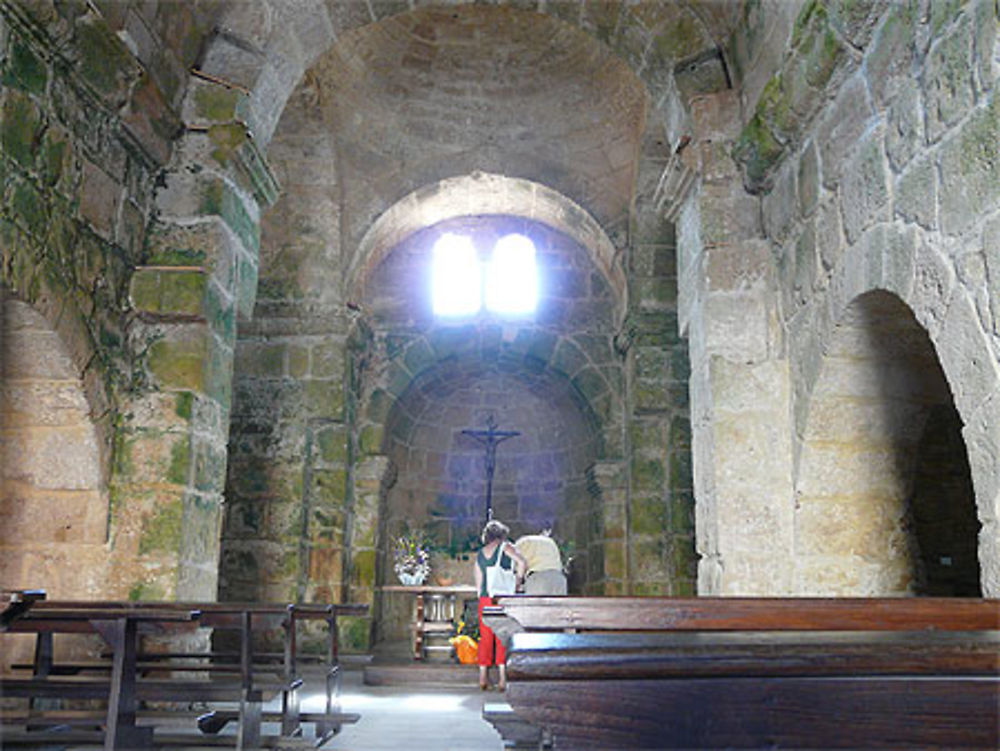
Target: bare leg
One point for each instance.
(503, 678)
(483, 683)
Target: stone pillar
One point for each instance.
(368, 477)
(739, 379)
(199, 276)
(660, 498)
(607, 482)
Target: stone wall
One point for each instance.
(889, 185)
(91, 103)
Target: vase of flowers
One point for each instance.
(411, 560)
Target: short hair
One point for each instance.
(494, 530)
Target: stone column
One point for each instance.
(660, 498)
(739, 379)
(607, 482)
(199, 276)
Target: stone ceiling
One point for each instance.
(449, 91)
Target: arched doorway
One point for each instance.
(884, 502)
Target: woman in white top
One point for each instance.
(498, 568)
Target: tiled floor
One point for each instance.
(408, 718)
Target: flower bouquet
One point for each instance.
(411, 560)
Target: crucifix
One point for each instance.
(490, 438)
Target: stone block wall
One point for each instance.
(91, 102)
(54, 505)
(882, 178)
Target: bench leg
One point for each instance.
(120, 729)
(290, 724)
(325, 730)
(251, 706)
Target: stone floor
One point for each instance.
(412, 717)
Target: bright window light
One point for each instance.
(511, 279)
(457, 279)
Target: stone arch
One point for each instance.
(895, 259)
(480, 194)
(54, 502)
(435, 477)
(265, 47)
(873, 411)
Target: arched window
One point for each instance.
(507, 281)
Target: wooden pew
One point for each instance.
(120, 628)
(244, 678)
(755, 673)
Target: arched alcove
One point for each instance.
(884, 502)
(53, 503)
(438, 474)
(552, 376)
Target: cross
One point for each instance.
(490, 438)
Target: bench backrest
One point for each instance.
(749, 614)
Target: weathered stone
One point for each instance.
(970, 180)
(888, 62)
(20, 128)
(180, 362)
(986, 22)
(991, 254)
(168, 292)
(842, 128)
(949, 88)
(759, 151)
(865, 191)
(905, 124)
(972, 379)
(736, 326)
(809, 179)
(780, 207)
(105, 63)
(916, 194)
(24, 69)
(162, 531)
(151, 120)
(857, 20)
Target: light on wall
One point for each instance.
(509, 277)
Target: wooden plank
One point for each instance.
(739, 614)
(601, 656)
(77, 687)
(858, 712)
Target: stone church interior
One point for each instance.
(724, 275)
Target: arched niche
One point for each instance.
(554, 376)
(884, 503)
(54, 511)
(438, 477)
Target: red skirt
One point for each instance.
(491, 651)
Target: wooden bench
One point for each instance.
(754, 673)
(120, 628)
(213, 677)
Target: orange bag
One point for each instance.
(466, 649)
